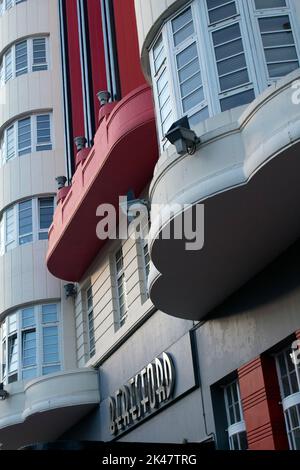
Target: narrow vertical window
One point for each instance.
(162, 86)
(12, 358)
(10, 143)
(25, 222)
(236, 425)
(8, 65)
(21, 58)
(279, 45)
(46, 211)
(39, 54)
(50, 350)
(146, 259)
(9, 228)
(43, 133)
(121, 287)
(91, 329)
(189, 74)
(24, 136)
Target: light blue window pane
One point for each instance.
(28, 374)
(28, 318)
(51, 369)
(49, 313)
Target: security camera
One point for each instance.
(184, 138)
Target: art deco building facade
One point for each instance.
(155, 342)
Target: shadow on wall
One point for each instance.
(277, 280)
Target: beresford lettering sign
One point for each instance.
(143, 394)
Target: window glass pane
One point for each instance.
(226, 34)
(199, 116)
(46, 211)
(233, 80)
(222, 12)
(278, 39)
(261, 4)
(234, 63)
(39, 55)
(192, 100)
(274, 23)
(10, 228)
(29, 348)
(28, 318)
(158, 54)
(24, 136)
(12, 323)
(187, 55)
(238, 99)
(280, 70)
(181, 20)
(50, 338)
(49, 313)
(10, 143)
(43, 132)
(51, 369)
(28, 374)
(12, 354)
(8, 65)
(21, 58)
(25, 222)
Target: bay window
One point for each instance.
(26, 222)
(30, 343)
(27, 55)
(215, 55)
(27, 135)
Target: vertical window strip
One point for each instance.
(91, 328)
(21, 58)
(161, 76)
(46, 212)
(279, 45)
(25, 222)
(121, 287)
(234, 412)
(187, 64)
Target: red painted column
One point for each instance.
(263, 413)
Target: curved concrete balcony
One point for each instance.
(44, 408)
(246, 173)
(122, 159)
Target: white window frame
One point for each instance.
(254, 15)
(38, 327)
(247, 18)
(239, 426)
(8, 246)
(90, 313)
(34, 138)
(30, 64)
(118, 275)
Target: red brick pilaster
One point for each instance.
(263, 413)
